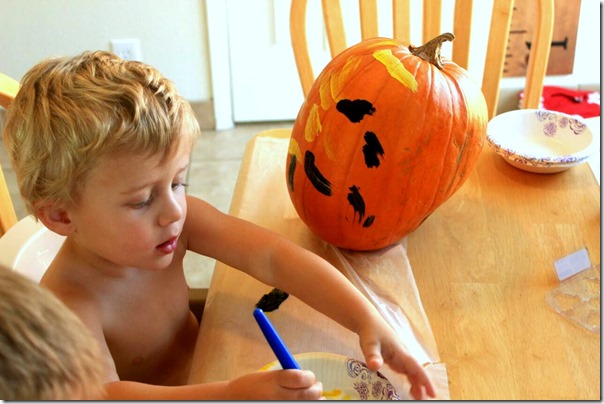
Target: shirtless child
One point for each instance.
(101, 150)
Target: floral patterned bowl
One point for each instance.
(344, 378)
(540, 141)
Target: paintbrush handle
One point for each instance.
(285, 358)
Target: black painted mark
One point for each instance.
(272, 300)
(314, 175)
(372, 150)
(369, 221)
(355, 110)
(357, 202)
(290, 171)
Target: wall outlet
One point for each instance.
(127, 48)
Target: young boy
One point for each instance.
(101, 149)
(46, 353)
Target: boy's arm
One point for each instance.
(277, 261)
(269, 385)
(124, 390)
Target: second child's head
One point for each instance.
(70, 112)
(46, 352)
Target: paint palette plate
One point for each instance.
(344, 378)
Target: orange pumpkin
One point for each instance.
(386, 134)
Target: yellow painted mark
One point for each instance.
(327, 147)
(332, 85)
(396, 68)
(332, 393)
(325, 92)
(336, 394)
(385, 42)
(294, 149)
(341, 78)
(313, 124)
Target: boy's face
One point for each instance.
(131, 210)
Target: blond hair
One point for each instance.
(46, 352)
(71, 111)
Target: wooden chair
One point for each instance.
(495, 54)
(27, 231)
(8, 218)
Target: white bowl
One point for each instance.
(344, 378)
(540, 141)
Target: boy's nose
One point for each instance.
(172, 211)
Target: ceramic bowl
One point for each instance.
(344, 378)
(540, 141)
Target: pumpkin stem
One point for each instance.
(430, 51)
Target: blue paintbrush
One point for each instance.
(286, 359)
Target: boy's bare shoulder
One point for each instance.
(72, 290)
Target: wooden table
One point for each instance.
(483, 263)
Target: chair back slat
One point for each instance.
(501, 19)
(539, 55)
(401, 21)
(297, 28)
(369, 18)
(8, 218)
(462, 28)
(431, 19)
(8, 90)
(334, 26)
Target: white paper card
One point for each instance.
(572, 264)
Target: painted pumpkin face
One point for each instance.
(383, 138)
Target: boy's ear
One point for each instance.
(56, 218)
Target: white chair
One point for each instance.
(29, 247)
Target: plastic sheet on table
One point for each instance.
(402, 309)
(393, 291)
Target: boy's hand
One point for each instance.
(276, 385)
(386, 348)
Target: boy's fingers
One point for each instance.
(373, 356)
(421, 383)
(374, 362)
(295, 379)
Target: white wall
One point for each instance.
(172, 33)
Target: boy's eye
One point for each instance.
(147, 202)
(143, 204)
(176, 185)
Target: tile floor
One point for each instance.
(212, 177)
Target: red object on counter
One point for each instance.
(574, 102)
